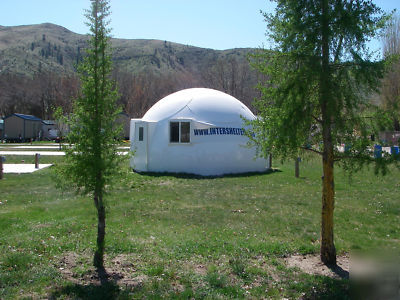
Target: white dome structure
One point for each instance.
(196, 131)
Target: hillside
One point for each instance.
(146, 70)
(27, 50)
(51, 48)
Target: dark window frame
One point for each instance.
(174, 132)
(184, 132)
(179, 132)
(141, 134)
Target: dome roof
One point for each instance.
(201, 104)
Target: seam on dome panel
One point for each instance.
(187, 105)
(183, 107)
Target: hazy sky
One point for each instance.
(217, 24)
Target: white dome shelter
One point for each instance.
(195, 131)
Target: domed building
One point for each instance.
(196, 131)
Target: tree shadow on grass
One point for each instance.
(101, 287)
(109, 290)
(327, 288)
(339, 271)
(199, 177)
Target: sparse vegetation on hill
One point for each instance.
(146, 70)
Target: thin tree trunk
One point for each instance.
(98, 197)
(270, 160)
(328, 251)
(98, 260)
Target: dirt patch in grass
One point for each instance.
(41, 225)
(119, 270)
(311, 264)
(166, 182)
(200, 269)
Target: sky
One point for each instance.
(216, 24)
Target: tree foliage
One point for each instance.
(92, 161)
(319, 76)
(37, 95)
(390, 93)
(139, 91)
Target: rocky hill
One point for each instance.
(28, 52)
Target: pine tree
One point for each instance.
(318, 79)
(92, 161)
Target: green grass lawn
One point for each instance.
(188, 237)
(30, 159)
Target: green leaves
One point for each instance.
(92, 161)
(298, 89)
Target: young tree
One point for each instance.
(318, 79)
(92, 160)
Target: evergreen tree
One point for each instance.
(92, 161)
(319, 77)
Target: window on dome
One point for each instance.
(185, 132)
(179, 132)
(141, 134)
(174, 132)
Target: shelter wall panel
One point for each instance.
(14, 127)
(32, 129)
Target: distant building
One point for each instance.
(20, 127)
(49, 130)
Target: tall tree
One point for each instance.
(390, 92)
(318, 78)
(92, 161)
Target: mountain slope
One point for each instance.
(51, 48)
(38, 70)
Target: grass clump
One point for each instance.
(215, 279)
(238, 265)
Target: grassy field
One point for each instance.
(187, 237)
